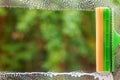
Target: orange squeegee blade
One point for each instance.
(99, 40)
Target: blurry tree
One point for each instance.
(43, 40)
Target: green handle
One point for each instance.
(107, 40)
(111, 40)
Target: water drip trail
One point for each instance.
(55, 76)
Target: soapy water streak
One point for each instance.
(56, 4)
(55, 76)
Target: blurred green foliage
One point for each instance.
(116, 2)
(2, 12)
(43, 40)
